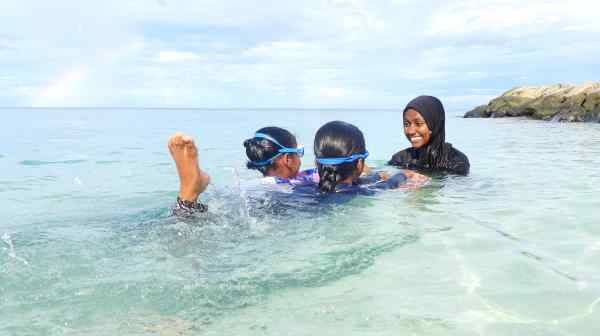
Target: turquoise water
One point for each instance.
(88, 247)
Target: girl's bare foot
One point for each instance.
(192, 180)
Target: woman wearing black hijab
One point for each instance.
(424, 127)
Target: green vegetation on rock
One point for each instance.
(557, 102)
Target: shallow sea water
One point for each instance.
(88, 246)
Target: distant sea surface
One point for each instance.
(88, 245)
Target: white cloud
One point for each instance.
(177, 56)
(290, 50)
(26, 92)
(469, 100)
(288, 53)
(63, 88)
(513, 18)
(332, 92)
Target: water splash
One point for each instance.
(244, 207)
(11, 249)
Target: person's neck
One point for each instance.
(353, 177)
(348, 180)
(281, 173)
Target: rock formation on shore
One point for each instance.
(556, 102)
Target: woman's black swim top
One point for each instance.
(458, 163)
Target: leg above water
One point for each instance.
(192, 180)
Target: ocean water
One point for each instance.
(88, 245)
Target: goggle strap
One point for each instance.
(338, 161)
(266, 136)
(282, 148)
(285, 150)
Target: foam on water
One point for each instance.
(11, 249)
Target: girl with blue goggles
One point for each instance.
(282, 150)
(340, 152)
(274, 152)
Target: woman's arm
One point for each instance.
(459, 163)
(414, 179)
(406, 180)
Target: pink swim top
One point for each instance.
(309, 176)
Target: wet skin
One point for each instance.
(192, 180)
(285, 166)
(415, 129)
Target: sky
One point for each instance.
(299, 54)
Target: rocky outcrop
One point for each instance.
(557, 103)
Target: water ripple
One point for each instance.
(43, 163)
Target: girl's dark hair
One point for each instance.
(260, 149)
(337, 139)
(435, 153)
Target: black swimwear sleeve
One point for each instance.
(459, 163)
(404, 159)
(393, 182)
(370, 179)
(186, 208)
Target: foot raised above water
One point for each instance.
(192, 180)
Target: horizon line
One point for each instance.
(193, 108)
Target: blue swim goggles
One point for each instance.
(341, 160)
(282, 150)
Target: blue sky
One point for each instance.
(308, 54)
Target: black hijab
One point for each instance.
(435, 154)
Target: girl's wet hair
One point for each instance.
(337, 139)
(261, 149)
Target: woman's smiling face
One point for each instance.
(415, 128)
